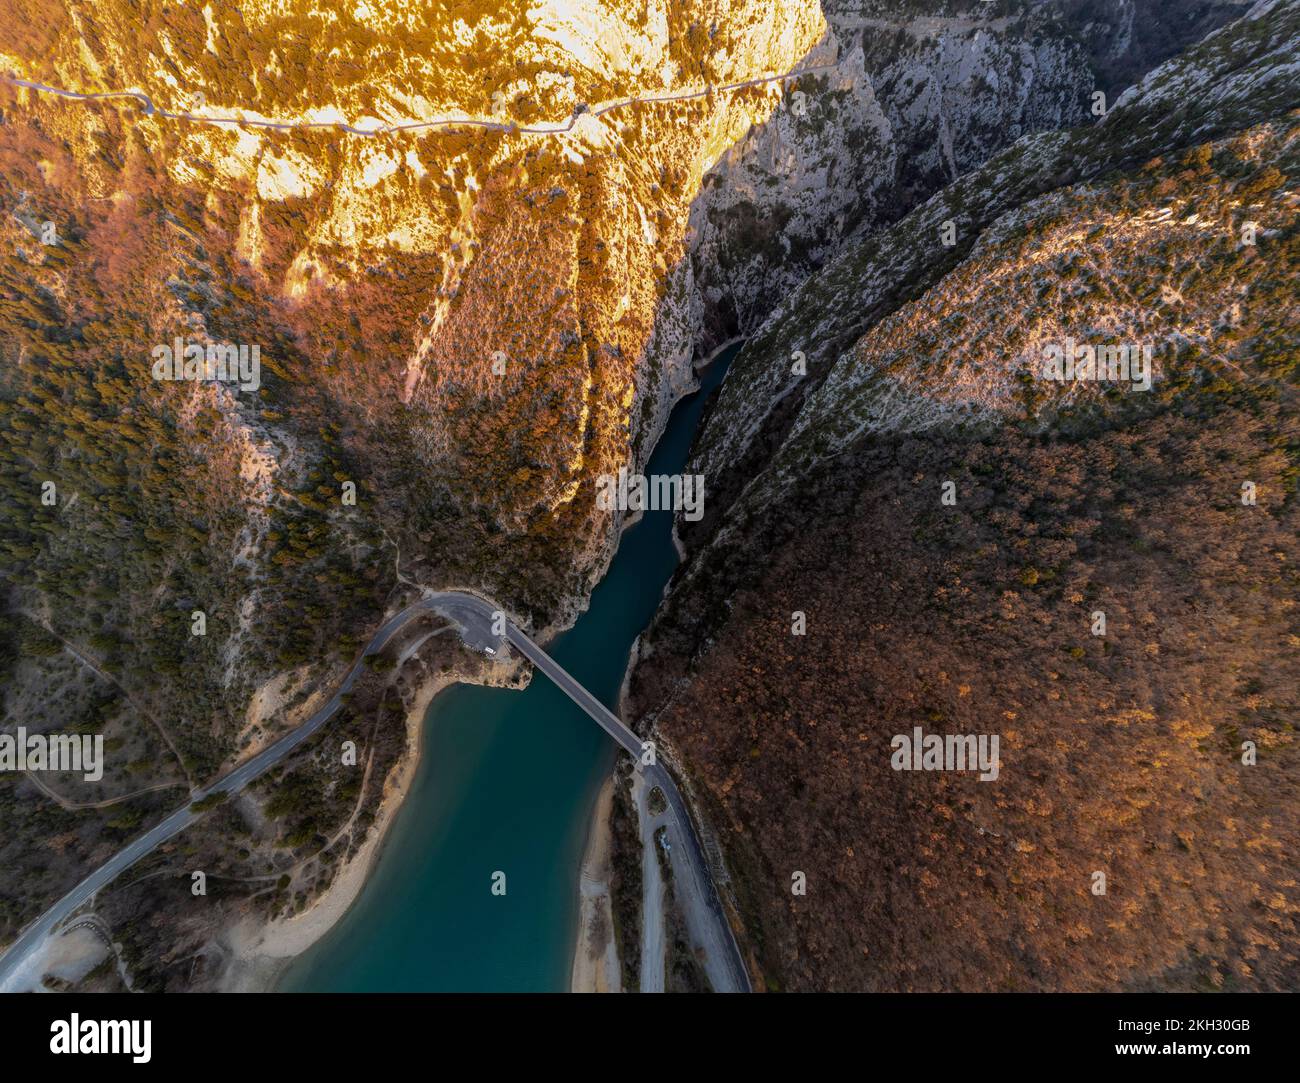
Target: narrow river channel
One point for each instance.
(507, 783)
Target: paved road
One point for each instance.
(694, 886)
(151, 110)
(697, 895)
(653, 917)
(477, 617)
(179, 820)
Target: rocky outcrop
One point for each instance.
(930, 530)
(1239, 74)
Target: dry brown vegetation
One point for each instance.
(1120, 754)
(377, 278)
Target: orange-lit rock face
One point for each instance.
(459, 326)
(473, 249)
(411, 260)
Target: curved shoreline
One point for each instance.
(260, 952)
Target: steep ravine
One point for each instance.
(383, 283)
(1122, 750)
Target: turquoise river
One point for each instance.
(507, 782)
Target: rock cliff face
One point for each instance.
(899, 104)
(870, 279)
(929, 529)
(460, 327)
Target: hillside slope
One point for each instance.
(460, 327)
(946, 523)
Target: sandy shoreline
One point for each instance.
(595, 954)
(260, 952)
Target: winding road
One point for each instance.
(476, 618)
(151, 110)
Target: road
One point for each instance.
(476, 617)
(179, 820)
(551, 128)
(653, 916)
(696, 892)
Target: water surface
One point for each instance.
(507, 782)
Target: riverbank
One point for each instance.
(595, 955)
(259, 952)
(515, 797)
